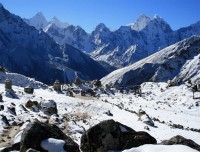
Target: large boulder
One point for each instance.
(179, 140)
(49, 107)
(37, 131)
(111, 135)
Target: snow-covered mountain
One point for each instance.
(72, 35)
(126, 45)
(28, 51)
(140, 23)
(131, 43)
(178, 62)
(38, 21)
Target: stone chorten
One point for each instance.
(57, 85)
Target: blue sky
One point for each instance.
(114, 13)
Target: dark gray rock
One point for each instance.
(12, 110)
(37, 131)
(5, 120)
(29, 104)
(179, 140)
(1, 107)
(111, 135)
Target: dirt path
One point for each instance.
(7, 136)
(83, 97)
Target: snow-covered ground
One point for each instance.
(170, 105)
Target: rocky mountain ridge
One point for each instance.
(178, 62)
(28, 51)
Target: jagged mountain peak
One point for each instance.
(140, 23)
(157, 17)
(143, 17)
(4, 14)
(38, 21)
(39, 14)
(101, 27)
(59, 23)
(144, 21)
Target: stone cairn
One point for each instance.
(1, 98)
(57, 85)
(8, 84)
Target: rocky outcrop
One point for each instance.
(37, 131)
(144, 117)
(111, 135)
(179, 140)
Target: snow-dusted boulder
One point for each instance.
(179, 140)
(36, 132)
(49, 107)
(111, 135)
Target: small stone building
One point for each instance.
(8, 84)
(29, 89)
(57, 85)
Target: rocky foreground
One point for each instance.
(36, 117)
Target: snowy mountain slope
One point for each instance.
(173, 105)
(126, 45)
(20, 80)
(86, 68)
(72, 35)
(179, 62)
(39, 56)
